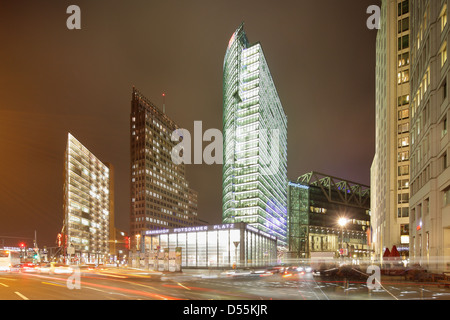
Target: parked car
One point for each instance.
(60, 268)
(55, 268)
(28, 267)
(15, 268)
(45, 268)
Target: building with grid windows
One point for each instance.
(254, 175)
(390, 171)
(430, 141)
(317, 203)
(160, 194)
(88, 205)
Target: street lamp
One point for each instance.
(236, 244)
(342, 223)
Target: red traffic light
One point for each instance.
(22, 245)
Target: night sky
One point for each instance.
(54, 81)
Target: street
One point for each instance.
(133, 284)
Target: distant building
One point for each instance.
(87, 205)
(316, 203)
(160, 194)
(255, 141)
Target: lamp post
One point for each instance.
(342, 223)
(236, 244)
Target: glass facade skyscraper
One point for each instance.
(255, 141)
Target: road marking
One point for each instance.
(183, 286)
(142, 285)
(386, 290)
(8, 279)
(54, 284)
(112, 275)
(21, 295)
(5, 285)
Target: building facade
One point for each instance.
(160, 194)
(390, 171)
(254, 180)
(212, 246)
(327, 214)
(430, 173)
(87, 205)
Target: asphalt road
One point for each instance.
(130, 284)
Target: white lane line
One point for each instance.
(10, 279)
(5, 285)
(21, 295)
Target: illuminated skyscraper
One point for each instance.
(88, 204)
(255, 141)
(160, 194)
(390, 171)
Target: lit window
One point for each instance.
(443, 54)
(444, 18)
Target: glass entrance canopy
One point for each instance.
(215, 246)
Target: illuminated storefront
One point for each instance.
(214, 246)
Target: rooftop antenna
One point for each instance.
(164, 102)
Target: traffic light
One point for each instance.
(127, 242)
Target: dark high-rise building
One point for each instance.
(160, 194)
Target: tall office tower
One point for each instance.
(390, 167)
(87, 204)
(430, 109)
(160, 194)
(255, 141)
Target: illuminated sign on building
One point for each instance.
(192, 229)
(404, 239)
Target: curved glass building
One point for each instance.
(255, 141)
